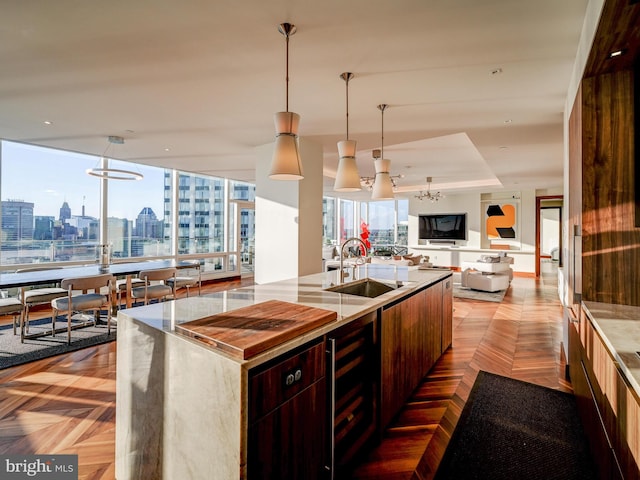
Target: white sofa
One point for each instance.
(485, 282)
(488, 274)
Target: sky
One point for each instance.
(47, 178)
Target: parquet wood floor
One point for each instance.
(66, 404)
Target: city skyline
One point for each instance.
(49, 187)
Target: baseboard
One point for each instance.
(524, 274)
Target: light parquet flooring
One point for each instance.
(66, 404)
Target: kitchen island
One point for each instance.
(302, 408)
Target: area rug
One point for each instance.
(510, 429)
(463, 292)
(13, 353)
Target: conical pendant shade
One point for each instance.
(382, 186)
(286, 163)
(347, 177)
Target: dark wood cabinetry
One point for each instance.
(413, 335)
(315, 410)
(447, 314)
(353, 365)
(287, 416)
(609, 409)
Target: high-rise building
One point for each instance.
(148, 225)
(65, 212)
(17, 220)
(43, 227)
(200, 213)
(119, 233)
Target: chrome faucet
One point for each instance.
(343, 275)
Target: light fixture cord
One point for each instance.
(382, 135)
(347, 88)
(287, 71)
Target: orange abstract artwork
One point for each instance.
(501, 221)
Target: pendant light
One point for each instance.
(108, 173)
(347, 177)
(286, 163)
(382, 185)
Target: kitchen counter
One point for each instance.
(308, 290)
(619, 328)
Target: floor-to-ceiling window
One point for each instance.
(347, 227)
(51, 211)
(136, 219)
(242, 239)
(48, 194)
(387, 221)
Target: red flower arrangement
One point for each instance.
(364, 235)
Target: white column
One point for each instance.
(288, 218)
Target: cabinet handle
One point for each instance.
(292, 376)
(331, 352)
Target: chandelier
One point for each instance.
(434, 197)
(105, 172)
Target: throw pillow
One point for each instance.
(414, 259)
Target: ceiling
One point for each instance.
(475, 89)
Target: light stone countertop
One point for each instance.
(308, 290)
(619, 327)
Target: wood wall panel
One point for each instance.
(610, 247)
(575, 196)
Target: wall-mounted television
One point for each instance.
(442, 226)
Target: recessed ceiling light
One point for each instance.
(48, 122)
(616, 53)
(167, 149)
(508, 120)
(504, 148)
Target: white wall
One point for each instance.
(288, 218)
(472, 205)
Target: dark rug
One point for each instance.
(13, 353)
(510, 429)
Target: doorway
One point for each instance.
(548, 236)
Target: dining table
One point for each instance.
(41, 275)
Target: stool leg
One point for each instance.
(26, 317)
(54, 315)
(22, 327)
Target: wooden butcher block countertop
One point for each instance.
(251, 330)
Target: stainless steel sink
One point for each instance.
(366, 287)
